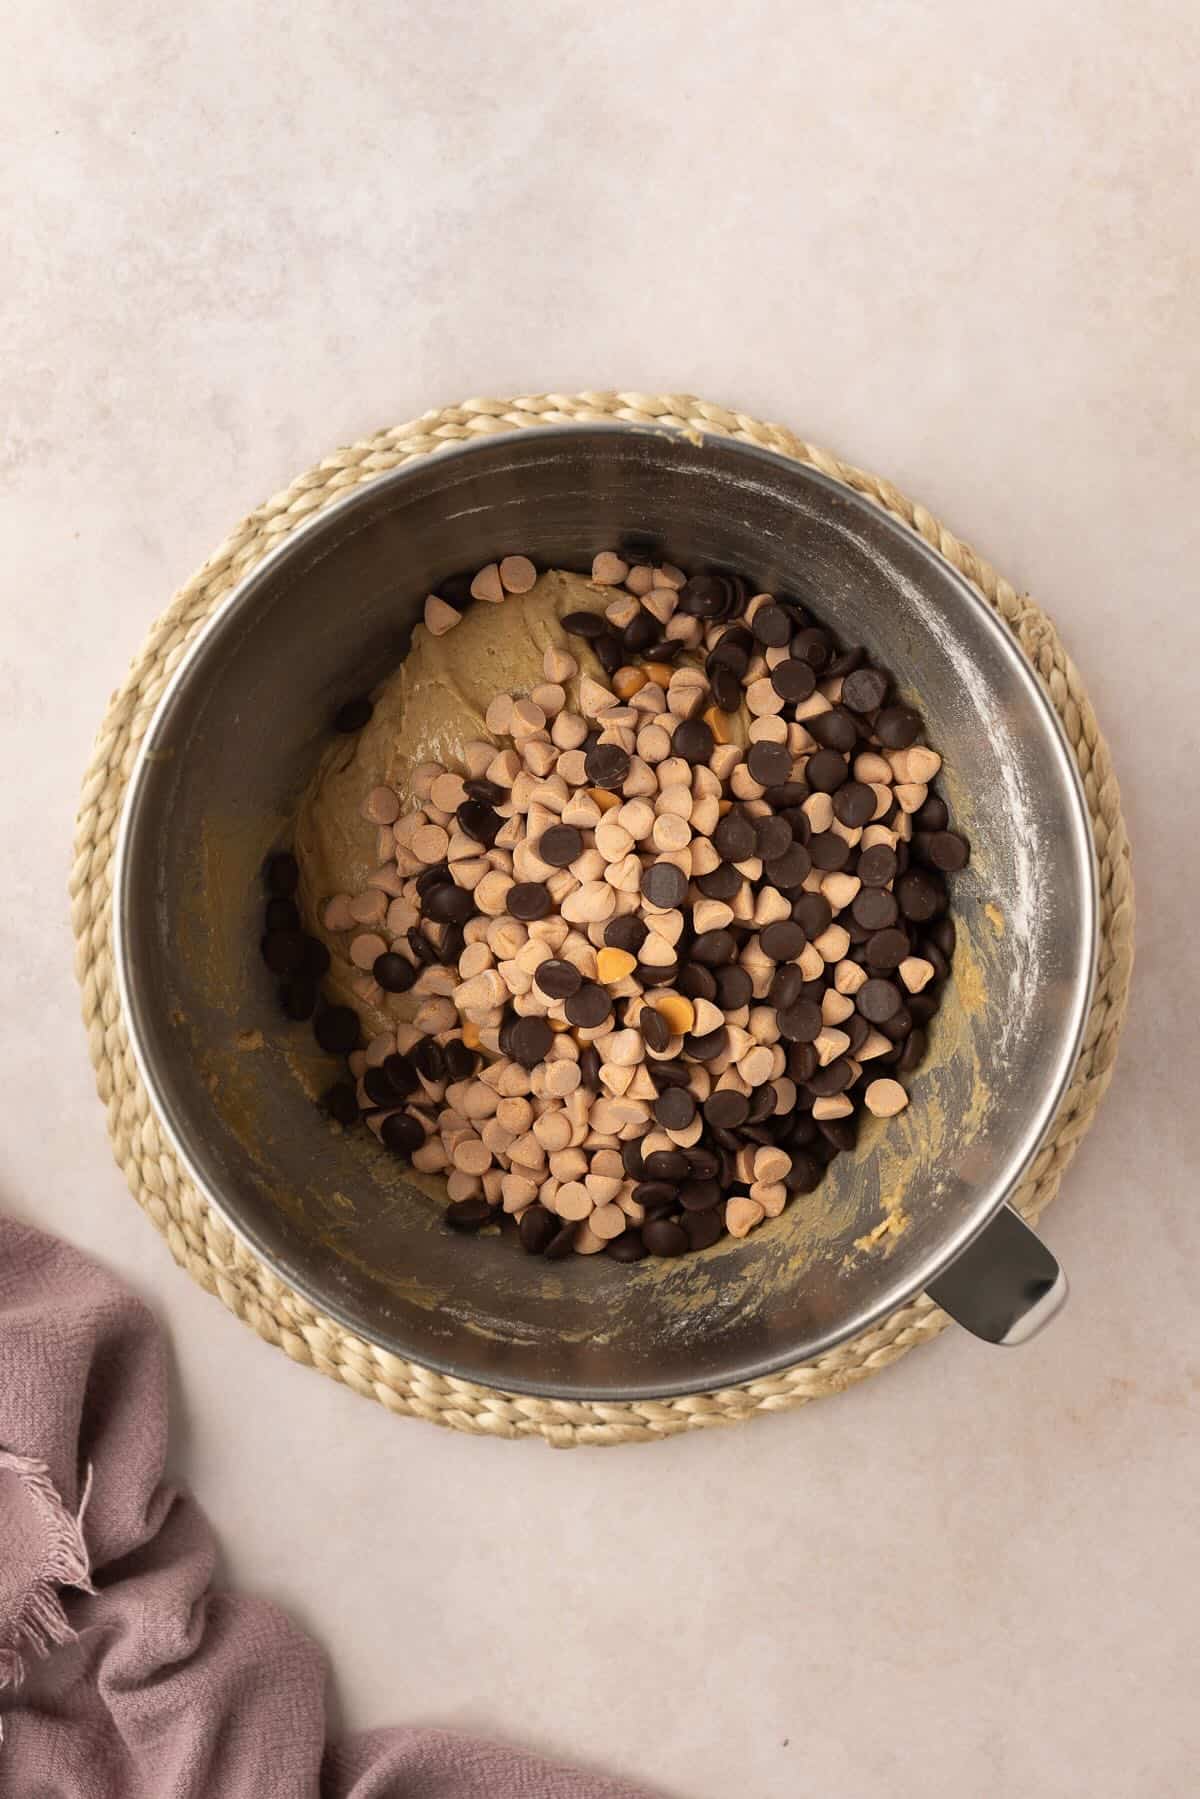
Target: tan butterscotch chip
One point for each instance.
(839, 1105)
(517, 574)
(337, 914)
(448, 792)
(559, 665)
(381, 806)
(885, 1098)
(440, 617)
(573, 1200)
(607, 1221)
(741, 1216)
(366, 948)
(370, 907)
(552, 1130)
(609, 569)
(487, 585)
(916, 973)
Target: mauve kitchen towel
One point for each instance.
(122, 1675)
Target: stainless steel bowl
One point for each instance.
(235, 737)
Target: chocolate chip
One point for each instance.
(394, 973)
(446, 903)
(298, 996)
(727, 1108)
(606, 765)
(732, 651)
(353, 715)
(561, 1243)
(655, 1195)
(675, 1109)
(932, 816)
(528, 900)
(693, 740)
(726, 688)
(402, 1132)
(943, 932)
(857, 1029)
(281, 915)
(812, 646)
(806, 1173)
(913, 1053)
(772, 626)
(589, 1068)
(626, 932)
(708, 1046)
(897, 1027)
(702, 1229)
(787, 872)
(920, 895)
(793, 680)
(722, 882)
(665, 1165)
(479, 821)
(785, 988)
(341, 1102)
(283, 951)
(878, 1000)
(703, 596)
(772, 837)
(898, 727)
(700, 1196)
(662, 1238)
(401, 1076)
(337, 1030)
(713, 948)
(949, 851)
(874, 908)
(378, 1088)
(826, 771)
(801, 1022)
(854, 804)
(865, 690)
(887, 949)
(782, 940)
(802, 1060)
(734, 988)
(281, 874)
(585, 624)
(557, 979)
(663, 884)
(422, 948)
(733, 837)
(877, 866)
(536, 1229)
(835, 1077)
(531, 1040)
(656, 1032)
(609, 652)
(628, 1247)
(560, 845)
(833, 730)
(640, 632)
(588, 1006)
(697, 982)
(829, 851)
(428, 1059)
(769, 763)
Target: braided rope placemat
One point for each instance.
(200, 1240)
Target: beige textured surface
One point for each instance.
(958, 239)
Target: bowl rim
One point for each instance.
(169, 1116)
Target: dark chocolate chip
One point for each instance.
(913, 1053)
(281, 915)
(609, 651)
(772, 837)
(675, 1109)
(656, 1032)
(704, 596)
(626, 932)
(448, 904)
(402, 1077)
(878, 1000)
(402, 1132)
(560, 845)
(561, 1243)
(783, 940)
(722, 882)
(700, 1196)
(528, 900)
(733, 838)
(814, 912)
(714, 948)
(697, 982)
(864, 690)
(726, 688)
(341, 1102)
(854, 804)
(887, 949)
(283, 951)
(589, 1068)
(281, 874)
(829, 851)
(787, 872)
(711, 1044)
(826, 771)
(662, 1238)
(833, 730)
(876, 866)
(394, 973)
(693, 740)
(835, 1077)
(557, 979)
(663, 884)
(536, 1229)
(428, 1059)
(337, 1030)
(298, 996)
(874, 908)
(378, 1088)
(806, 1173)
(702, 1228)
(949, 851)
(934, 815)
(588, 1006)
(353, 715)
(727, 1108)
(793, 680)
(769, 763)
(585, 624)
(772, 626)
(801, 1023)
(666, 1165)
(531, 1040)
(920, 895)
(942, 932)
(786, 987)
(479, 821)
(898, 727)
(628, 1247)
(734, 988)
(607, 765)
(812, 645)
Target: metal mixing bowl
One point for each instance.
(236, 736)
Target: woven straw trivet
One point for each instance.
(204, 1245)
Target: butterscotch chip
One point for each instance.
(677, 1010)
(838, 1106)
(370, 907)
(607, 1221)
(498, 716)
(338, 915)
(487, 584)
(885, 1098)
(551, 697)
(366, 949)
(628, 681)
(614, 965)
(517, 574)
(559, 665)
(552, 1130)
(758, 1065)
(439, 617)
(608, 569)
(448, 792)
(741, 1216)
(573, 1200)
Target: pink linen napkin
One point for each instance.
(122, 1674)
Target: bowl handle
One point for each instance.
(1005, 1285)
